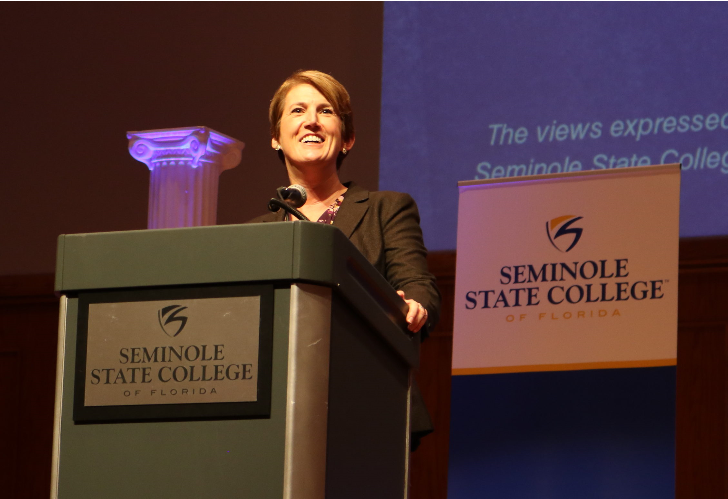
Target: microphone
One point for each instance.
(289, 198)
(294, 195)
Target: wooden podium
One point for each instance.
(249, 361)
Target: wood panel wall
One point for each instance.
(28, 331)
(702, 370)
(28, 344)
(429, 463)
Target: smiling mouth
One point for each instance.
(312, 139)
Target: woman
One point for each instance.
(312, 129)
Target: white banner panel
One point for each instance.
(567, 271)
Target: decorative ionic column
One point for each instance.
(185, 166)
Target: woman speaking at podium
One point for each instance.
(312, 129)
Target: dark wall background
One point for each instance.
(77, 77)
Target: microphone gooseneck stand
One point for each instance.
(289, 198)
(277, 204)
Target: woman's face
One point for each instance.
(310, 130)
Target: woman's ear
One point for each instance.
(274, 144)
(350, 143)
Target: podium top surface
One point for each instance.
(200, 255)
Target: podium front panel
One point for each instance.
(178, 459)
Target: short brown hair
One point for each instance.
(330, 88)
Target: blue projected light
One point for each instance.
(487, 90)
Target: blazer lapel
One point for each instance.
(353, 209)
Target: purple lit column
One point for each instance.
(185, 166)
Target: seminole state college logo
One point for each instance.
(562, 234)
(170, 321)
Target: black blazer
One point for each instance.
(385, 227)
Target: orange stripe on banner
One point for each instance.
(583, 366)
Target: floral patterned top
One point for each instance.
(330, 214)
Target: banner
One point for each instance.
(561, 279)
(569, 271)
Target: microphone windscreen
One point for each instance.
(296, 195)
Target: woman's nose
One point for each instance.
(311, 116)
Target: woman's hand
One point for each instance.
(417, 315)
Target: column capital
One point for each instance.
(184, 166)
(185, 146)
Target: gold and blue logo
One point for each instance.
(562, 234)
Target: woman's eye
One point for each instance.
(327, 111)
(297, 110)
